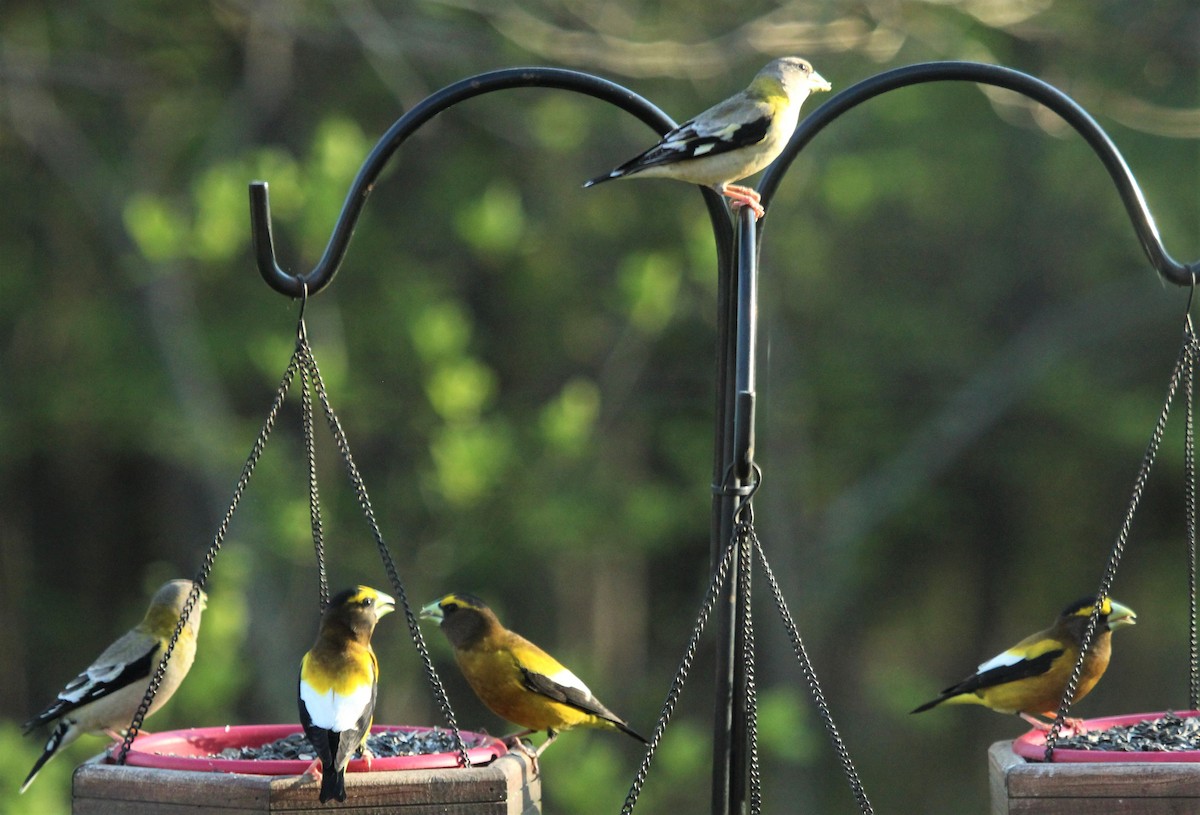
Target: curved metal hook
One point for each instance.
(410, 122)
(985, 74)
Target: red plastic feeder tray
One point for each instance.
(181, 770)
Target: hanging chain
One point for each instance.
(745, 543)
(1183, 364)
(745, 537)
(210, 557)
(303, 361)
(309, 362)
(681, 674)
(314, 499)
(1189, 468)
(310, 452)
(814, 685)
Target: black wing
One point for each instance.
(96, 682)
(1022, 669)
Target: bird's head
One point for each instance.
(463, 618)
(167, 604)
(358, 609)
(1112, 614)
(796, 75)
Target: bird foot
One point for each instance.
(1069, 723)
(525, 747)
(311, 773)
(744, 197)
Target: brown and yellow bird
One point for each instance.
(517, 680)
(339, 679)
(1030, 678)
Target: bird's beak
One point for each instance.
(433, 611)
(385, 604)
(1120, 615)
(816, 82)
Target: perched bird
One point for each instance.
(106, 695)
(1031, 677)
(517, 680)
(733, 139)
(339, 678)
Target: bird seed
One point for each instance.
(384, 744)
(1169, 733)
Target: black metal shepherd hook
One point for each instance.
(728, 368)
(321, 275)
(735, 473)
(1131, 194)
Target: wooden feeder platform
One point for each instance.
(1021, 787)
(506, 786)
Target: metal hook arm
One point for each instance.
(405, 126)
(985, 74)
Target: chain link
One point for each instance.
(745, 538)
(1183, 364)
(364, 502)
(1189, 467)
(814, 685)
(681, 674)
(305, 362)
(210, 556)
(314, 499)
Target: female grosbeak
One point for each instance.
(106, 695)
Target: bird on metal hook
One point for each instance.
(733, 139)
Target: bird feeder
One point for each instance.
(180, 771)
(1137, 783)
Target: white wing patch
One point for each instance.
(86, 683)
(1001, 660)
(335, 711)
(570, 680)
(679, 145)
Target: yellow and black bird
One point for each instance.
(339, 680)
(106, 695)
(1030, 678)
(517, 680)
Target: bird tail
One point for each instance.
(626, 729)
(928, 705)
(333, 784)
(951, 696)
(609, 176)
(58, 738)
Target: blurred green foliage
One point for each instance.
(963, 353)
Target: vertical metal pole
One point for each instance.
(731, 742)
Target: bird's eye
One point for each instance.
(368, 602)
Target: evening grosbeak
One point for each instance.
(517, 680)
(1031, 677)
(733, 139)
(339, 677)
(106, 695)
